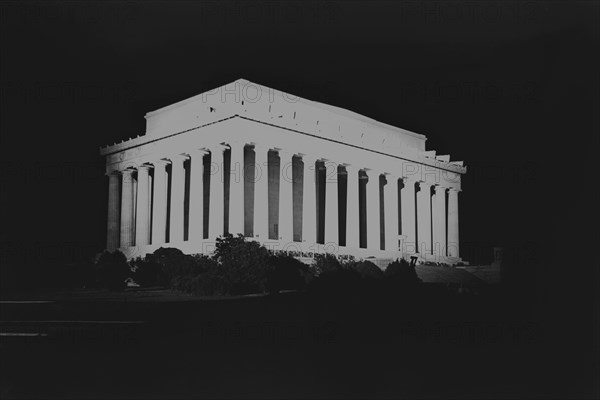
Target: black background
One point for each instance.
(509, 87)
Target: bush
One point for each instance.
(170, 263)
(401, 272)
(286, 272)
(368, 270)
(147, 272)
(111, 270)
(210, 283)
(326, 263)
(243, 263)
(342, 281)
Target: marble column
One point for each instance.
(127, 210)
(142, 217)
(114, 212)
(177, 212)
(159, 206)
(390, 202)
(196, 215)
(216, 218)
(453, 244)
(352, 210)
(309, 201)
(373, 222)
(236, 189)
(286, 195)
(407, 206)
(261, 192)
(439, 222)
(331, 203)
(424, 218)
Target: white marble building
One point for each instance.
(294, 174)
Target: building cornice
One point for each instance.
(412, 156)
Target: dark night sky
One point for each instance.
(509, 87)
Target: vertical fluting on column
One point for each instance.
(127, 209)
(309, 200)
(114, 212)
(331, 203)
(286, 209)
(439, 222)
(373, 225)
(408, 216)
(196, 215)
(424, 218)
(236, 189)
(352, 212)
(159, 206)
(216, 216)
(261, 192)
(142, 218)
(177, 212)
(453, 243)
(390, 203)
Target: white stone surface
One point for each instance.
(142, 211)
(243, 114)
(159, 206)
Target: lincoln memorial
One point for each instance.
(294, 174)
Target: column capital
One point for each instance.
(350, 168)
(424, 183)
(216, 147)
(284, 152)
(236, 142)
(127, 171)
(144, 166)
(202, 151)
(329, 161)
(160, 163)
(308, 157)
(372, 171)
(439, 188)
(406, 179)
(178, 157)
(455, 190)
(261, 146)
(391, 177)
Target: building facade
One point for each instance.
(296, 175)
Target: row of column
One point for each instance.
(416, 219)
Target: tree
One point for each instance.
(112, 269)
(244, 263)
(401, 272)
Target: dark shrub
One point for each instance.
(191, 270)
(368, 270)
(401, 272)
(213, 282)
(112, 269)
(342, 281)
(244, 263)
(171, 262)
(326, 263)
(286, 272)
(147, 272)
